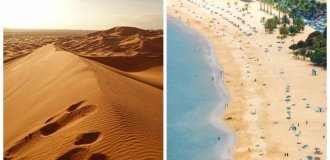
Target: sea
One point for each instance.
(196, 98)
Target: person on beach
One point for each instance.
(314, 72)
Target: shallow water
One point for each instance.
(195, 98)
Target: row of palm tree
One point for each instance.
(292, 7)
(267, 5)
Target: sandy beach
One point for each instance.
(95, 96)
(264, 81)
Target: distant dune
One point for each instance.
(118, 41)
(65, 103)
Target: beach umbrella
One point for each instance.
(309, 157)
(289, 113)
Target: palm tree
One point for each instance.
(284, 8)
(299, 23)
(236, 4)
(264, 1)
(271, 3)
(260, 2)
(293, 31)
(284, 31)
(243, 9)
(228, 4)
(246, 5)
(278, 7)
(293, 13)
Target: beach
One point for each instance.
(264, 82)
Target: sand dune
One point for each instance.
(59, 105)
(18, 42)
(118, 41)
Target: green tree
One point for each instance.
(278, 7)
(270, 25)
(319, 42)
(285, 20)
(293, 13)
(301, 44)
(299, 23)
(284, 31)
(277, 21)
(293, 47)
(302, 52)
(270, 3)
(324, 33)
(319, 57)
(310, 39)
(293, 31)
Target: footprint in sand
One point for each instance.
(69, 109)
(98, 156)
(81, 153)
(74, 106)
(86, 139)
(68, 118)
(74, 154)
(72, 114)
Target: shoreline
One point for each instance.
(256, 111)
(229, 90)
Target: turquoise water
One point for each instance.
(195, 100)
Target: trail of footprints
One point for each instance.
(73, 113)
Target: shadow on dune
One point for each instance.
(130, 64)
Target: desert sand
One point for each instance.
(67, 103)
(260, 73)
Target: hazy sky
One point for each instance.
(83, 14)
